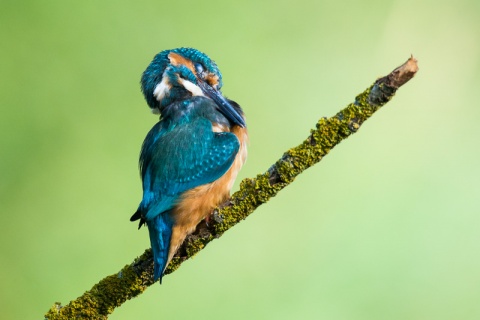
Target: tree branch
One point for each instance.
(133, 279)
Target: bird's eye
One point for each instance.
(199, 67)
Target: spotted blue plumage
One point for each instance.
(176, 157)
(180, 154)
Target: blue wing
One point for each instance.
(177, 159)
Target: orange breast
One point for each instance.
(197, 203)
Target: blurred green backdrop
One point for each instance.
(385, 227)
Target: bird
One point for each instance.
(190, 158)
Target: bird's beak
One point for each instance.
(223, 105)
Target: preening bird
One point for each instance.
(191, 157)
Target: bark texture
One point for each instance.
(133, 279)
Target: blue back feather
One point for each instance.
(181, 154)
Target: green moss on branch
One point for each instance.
(133, 279)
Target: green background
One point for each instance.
(385, 227)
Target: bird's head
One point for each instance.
(181, 73)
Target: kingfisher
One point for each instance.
(192, 155)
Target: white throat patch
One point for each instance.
(193, 88)
(162, 88)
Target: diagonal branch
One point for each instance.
(133, 279)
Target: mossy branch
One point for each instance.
(133, 279)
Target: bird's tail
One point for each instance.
(160, 229)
